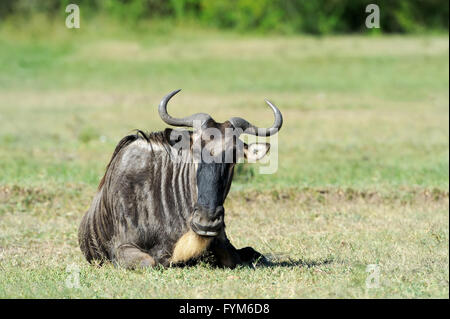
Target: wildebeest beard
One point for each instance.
(156, 204)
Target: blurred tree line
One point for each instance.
(284, 16)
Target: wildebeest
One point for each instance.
(161, 199)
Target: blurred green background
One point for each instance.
(279, 16)
(350, 95)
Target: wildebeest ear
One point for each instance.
(178, 137)
(256, 151)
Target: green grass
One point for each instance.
(363, 156)
(320, 242)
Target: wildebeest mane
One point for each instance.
(158, 137)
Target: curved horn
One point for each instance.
(185, 121)
(253, 130)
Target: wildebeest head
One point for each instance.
(215, 148)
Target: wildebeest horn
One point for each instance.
(253, 130)
(185, 121)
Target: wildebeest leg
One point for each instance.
(225, 253)
(228, 256)
(131, 257)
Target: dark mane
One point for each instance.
(127, 140)
(160, 138)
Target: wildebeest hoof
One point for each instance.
(249, 255)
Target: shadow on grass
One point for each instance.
(270, 261)
(292, 263)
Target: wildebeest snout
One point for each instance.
(207, 221)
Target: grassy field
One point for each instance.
(363, 157)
